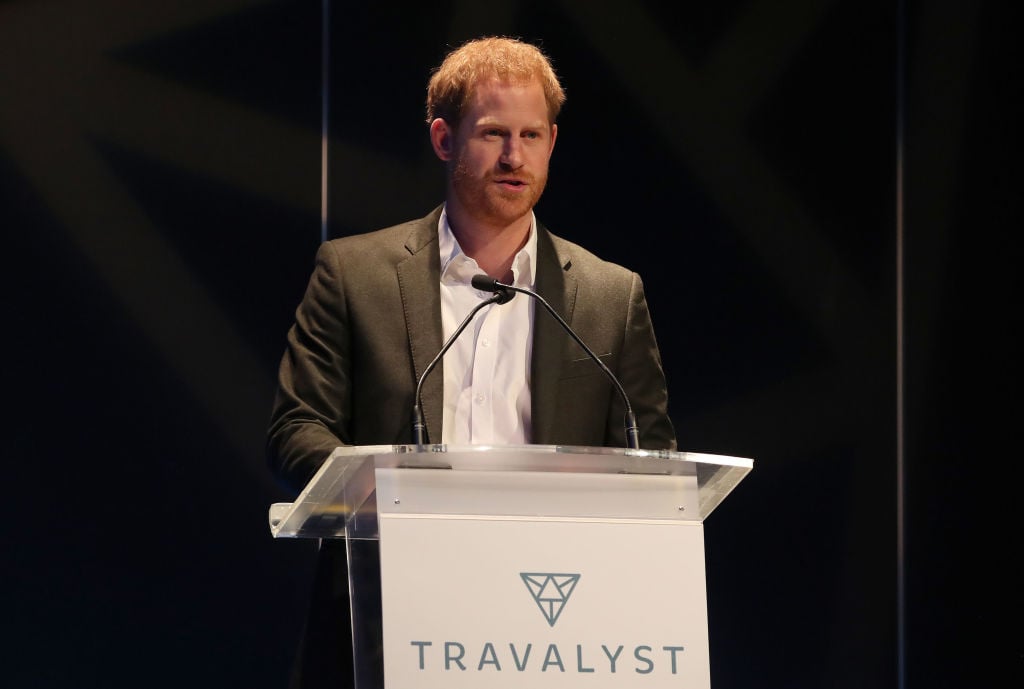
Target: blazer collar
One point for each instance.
(557, 284)
(418, 279)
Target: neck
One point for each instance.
(492, 247)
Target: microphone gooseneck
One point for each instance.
(485, 283)
(419, 426)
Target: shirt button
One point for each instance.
(485, 342)
(479, 399)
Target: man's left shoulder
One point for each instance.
(582, 262)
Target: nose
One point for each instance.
(512, 153)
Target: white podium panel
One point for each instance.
(472, 602)
(528, 566)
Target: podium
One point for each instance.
(520, 566)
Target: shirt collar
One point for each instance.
(456, 267)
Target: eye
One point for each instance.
(531, 135)
(492, 132)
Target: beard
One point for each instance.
(488, 202)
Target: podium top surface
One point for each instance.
(524, 480)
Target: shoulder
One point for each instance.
(580, 262)
(396, 241)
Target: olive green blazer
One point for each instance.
(370, 323)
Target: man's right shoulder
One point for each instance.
(412, 234)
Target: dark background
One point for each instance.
(822, 198)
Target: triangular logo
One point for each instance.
(550, 591)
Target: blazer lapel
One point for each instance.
(557, 285)
(418, 279)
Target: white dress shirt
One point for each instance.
(487, 370)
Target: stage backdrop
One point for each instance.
(767, 167)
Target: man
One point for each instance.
(379, 306)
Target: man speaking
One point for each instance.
(380, 306)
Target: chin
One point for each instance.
(509, 213)
(511, 209)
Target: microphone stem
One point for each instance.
(419, 426)
(632, 432)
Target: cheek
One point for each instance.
(539, 151)
(539, 160)
(468, 158)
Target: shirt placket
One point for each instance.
(484, 369)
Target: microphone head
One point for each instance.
(484, 283)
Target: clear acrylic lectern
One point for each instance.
(519, 566)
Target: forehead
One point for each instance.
(496, 99)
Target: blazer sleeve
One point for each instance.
(312, 407)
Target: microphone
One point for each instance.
(419, 427)
(485, 283)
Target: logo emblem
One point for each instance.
(550, 591)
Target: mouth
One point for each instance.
(511, 183)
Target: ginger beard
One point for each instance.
(489, 201)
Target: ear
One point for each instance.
(554, 135)
(442, 138)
